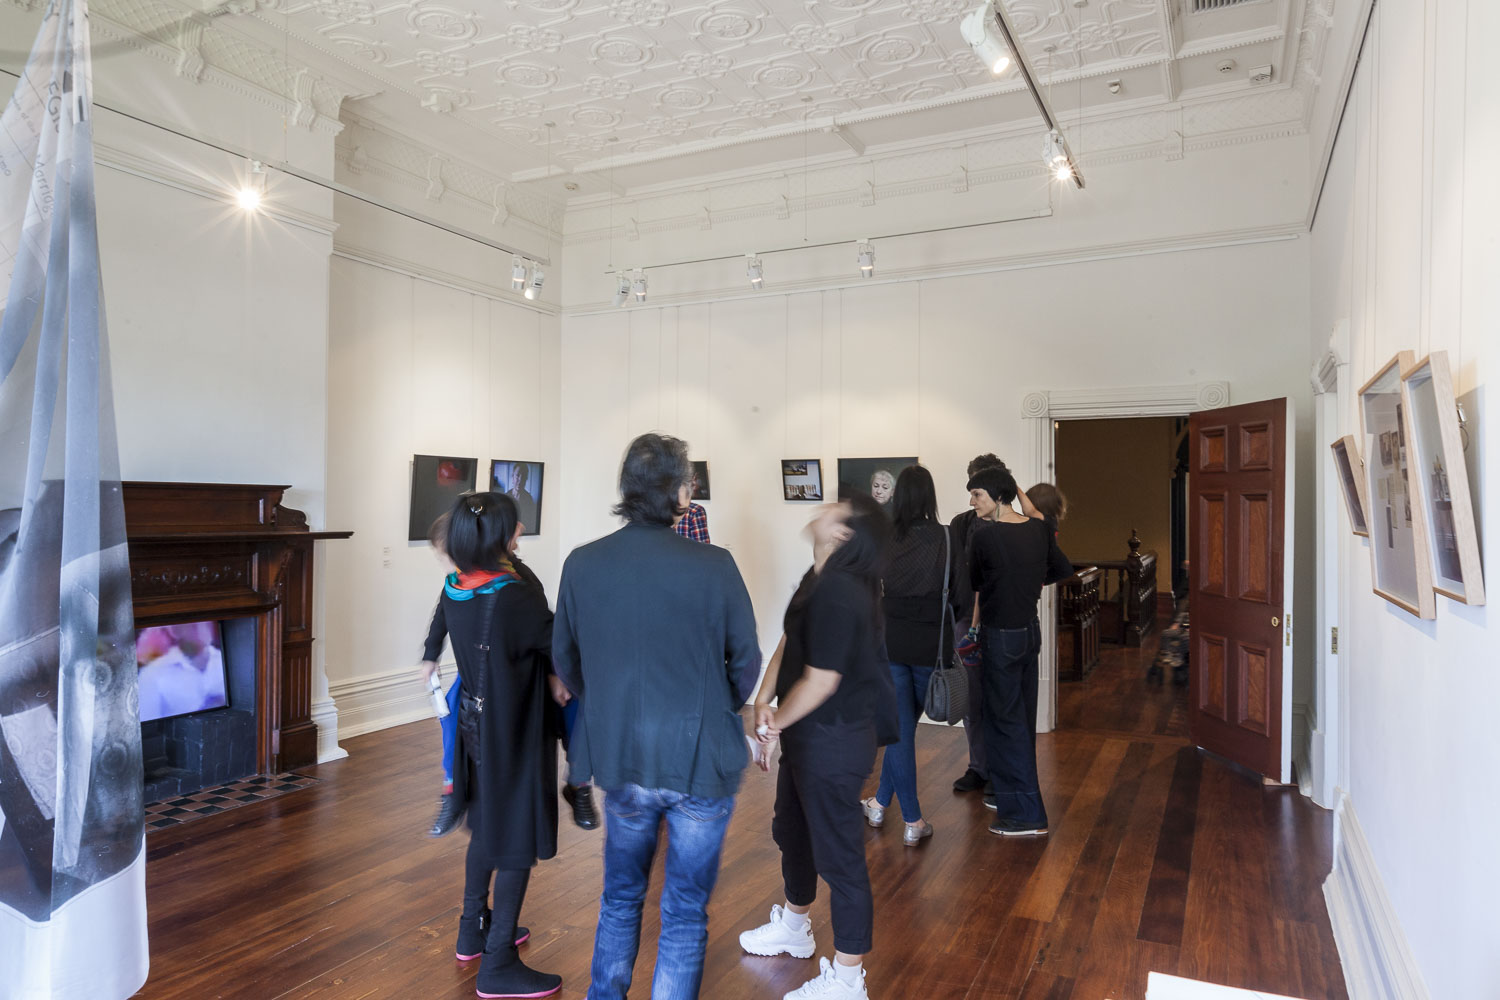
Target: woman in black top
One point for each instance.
(505, 764)
(833, 691)
(916, 638)
(1010, 559)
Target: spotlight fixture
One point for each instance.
(250, 193)
(534, 286)
(755, 271)
(866, 259)
(980, 29)
(622, 288)
(517, 274)
(1056, 156)
(639, 284)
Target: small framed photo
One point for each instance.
(522, 482)
(700, 481)
(1402, 562)
(873, 476)
(802, 480)
(436, 481)
(1440, 479)
(1351, 473)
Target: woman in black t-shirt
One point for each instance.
(833, 692)
(1010, 560)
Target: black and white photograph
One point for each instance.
(802, 480)
(700, 482)
(522, 482)
(873, 476)
(436, 481)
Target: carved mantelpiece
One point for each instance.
(217, 550)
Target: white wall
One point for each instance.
(935, 367)
(419, 365)
(1404, 252)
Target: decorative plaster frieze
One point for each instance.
(1135, 401)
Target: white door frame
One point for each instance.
(1041, 410)
(1326, 752)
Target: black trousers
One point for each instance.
(819, 825)
(1009, 681)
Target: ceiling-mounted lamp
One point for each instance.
(866, 259)
(1057, 158)
(517, 274)
(639, 285)
(980, 29)
(249, 196)
(534, 286)
(755, 271)
(622, 288)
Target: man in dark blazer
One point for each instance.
(655, 635)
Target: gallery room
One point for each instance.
(956, 499)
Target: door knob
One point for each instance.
(1275, 621)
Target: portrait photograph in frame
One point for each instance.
(1441, 476)
(802, 480)
(874, 477)
(436, 481)
(1351, 473)
(700, 489)
(1400, 557)
(522, 482)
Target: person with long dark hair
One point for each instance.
(917, 638)
(1011, 559)
(505, 759)
(833, 692)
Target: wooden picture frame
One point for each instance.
(1351, 474)
(1442, 475)
(1400, 558)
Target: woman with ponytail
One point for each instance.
(505, 762)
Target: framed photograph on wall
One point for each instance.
(1442, 479)
(1399, 552)
(700, 482)
(1351, 471)
(802, 480)
(873, 476)
(522, 482)
(436, 481)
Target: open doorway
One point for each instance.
(1126, 529)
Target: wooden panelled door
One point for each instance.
(1240, 584)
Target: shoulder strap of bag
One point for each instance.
(947, 615)
(483, 645)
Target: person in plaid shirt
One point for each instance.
(694, 524)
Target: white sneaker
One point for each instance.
(776, 938)
(874, 812)
(829, 986)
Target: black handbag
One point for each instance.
(471, 706)
(948, 691)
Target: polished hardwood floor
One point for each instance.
(1160, 858)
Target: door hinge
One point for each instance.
(1333, 644)
(1288, 628)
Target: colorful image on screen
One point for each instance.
(181, 669)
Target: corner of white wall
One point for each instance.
(1378, 964)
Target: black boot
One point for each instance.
(472, 934)
(581, 799)
(971, 781)
(503, 974)
(450, 811)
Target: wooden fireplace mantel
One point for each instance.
(224, 550)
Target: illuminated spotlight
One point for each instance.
(1056, 156)
(639, 285)
(980, 29)
(253, 190)
(517, 274)
(534, 286)
(755, 271)
(622, 288)
(866, 259)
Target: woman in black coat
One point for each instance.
(505, 766)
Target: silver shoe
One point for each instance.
(915, 834)
(874, 812)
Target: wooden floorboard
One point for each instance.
(1160, 859)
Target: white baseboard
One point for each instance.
(325, 716)
(1378, 964)
(379, 701)
(1302, 755)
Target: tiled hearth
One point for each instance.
(209, 801)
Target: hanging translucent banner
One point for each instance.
(72, 846)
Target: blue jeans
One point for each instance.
(898, 772)
(695, 835)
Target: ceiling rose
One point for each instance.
(728, 25)
(596, 118)
(683, 98)
(782, 76)
(621, 51)
(528, 75)
(438, 22)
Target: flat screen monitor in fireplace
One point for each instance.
(181, 669)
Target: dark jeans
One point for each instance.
(898, 771)
(1010, 691)
(819, 826)
(695, 835)
(974, 718)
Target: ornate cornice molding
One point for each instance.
(416, 269)
(1127, 401)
